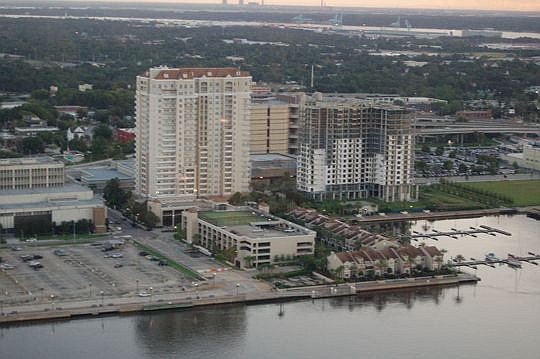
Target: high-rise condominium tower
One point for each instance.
(192, 133)
(353, 150)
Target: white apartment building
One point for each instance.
(349, 149)
(30, 172)
(192, 135)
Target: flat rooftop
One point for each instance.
(68, 188)
(42, 160)
(231, 218)
(103, 174)
(45, 205)
(251, 224)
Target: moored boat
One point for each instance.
(513, 261)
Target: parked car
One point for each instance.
(60, 252)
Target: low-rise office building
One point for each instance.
(96, 177)
(31, 172)
(529, 158)
(251, 236)
(43, 208)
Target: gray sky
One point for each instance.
(522, 5)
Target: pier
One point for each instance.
(454, 233)
(473, 263)
(432, 216)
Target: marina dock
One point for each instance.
(454, 233)
(473, 263)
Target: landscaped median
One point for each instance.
(179, 267)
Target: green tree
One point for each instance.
(448, 165)
(150, 219)
(236, 199)
(115, 196)
(103, 131)
(32, 145)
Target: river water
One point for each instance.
(497, 318)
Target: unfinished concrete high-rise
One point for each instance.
(349, 149)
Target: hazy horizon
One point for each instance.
(523, 5)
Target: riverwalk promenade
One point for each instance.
(118, 306)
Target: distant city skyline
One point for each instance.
(523, 5)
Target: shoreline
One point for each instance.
(291, 294)
(434, 216)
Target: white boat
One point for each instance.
(513, 261)
(490, 257)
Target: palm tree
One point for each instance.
(439, 261)
(412, 263)
(459, 258)
(249, 260)
(338, 272)
(381, 264)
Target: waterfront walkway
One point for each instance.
(116, 306)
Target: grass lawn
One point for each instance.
(434, 200)
(67, 237)
(441, 201)
(230, 218)
(523, 193)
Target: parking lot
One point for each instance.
(83, 272)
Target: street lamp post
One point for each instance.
(52, 301)
(137, 281)
(197, 290)
(102, 297)
(151, 293)
(90, 286)
(214, 279)
(237, 287)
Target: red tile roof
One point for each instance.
(410, 251)
(432, 251)
(195, 72)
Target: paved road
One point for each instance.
(164, 242)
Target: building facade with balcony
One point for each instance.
(192, 135)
